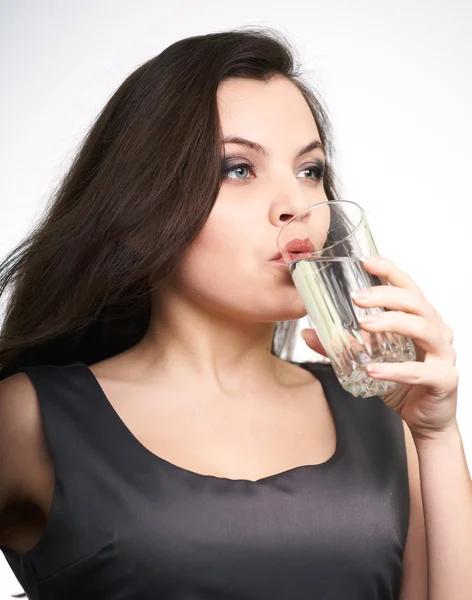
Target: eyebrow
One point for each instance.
(314, 145)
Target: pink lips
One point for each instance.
(297, 248)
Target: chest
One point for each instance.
(128, 520)
(289, 536)
(245, 438)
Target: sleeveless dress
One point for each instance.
(126, 524)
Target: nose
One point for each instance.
(292, 200)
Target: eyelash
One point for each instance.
(318, 166)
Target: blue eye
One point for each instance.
(226, 170)
(316, 168)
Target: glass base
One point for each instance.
(359, 383)
(351, 372)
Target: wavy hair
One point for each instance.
(133, 199)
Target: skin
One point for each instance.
(227, 400)
(206, 393)
(217, 318)
(201, 389)
(437, 559)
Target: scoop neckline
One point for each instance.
(322, 377)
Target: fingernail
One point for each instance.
(369, 318)
(360, 294)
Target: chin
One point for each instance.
(291, 313)
(293, 316)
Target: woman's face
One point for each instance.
(227, 268)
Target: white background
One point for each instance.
(396, 77)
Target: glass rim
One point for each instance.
(300, 214)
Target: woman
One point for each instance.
(167, 451)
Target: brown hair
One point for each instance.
(135, 196)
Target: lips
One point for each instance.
(297, 248)
(298, 245)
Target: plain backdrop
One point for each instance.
(396, 77)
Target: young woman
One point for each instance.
(153, 442)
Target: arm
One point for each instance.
(23, 448)
(438, 550)
(415, 574)
(426, 399)
(446, 488)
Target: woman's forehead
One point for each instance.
(265, 111)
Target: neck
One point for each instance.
(186, 341)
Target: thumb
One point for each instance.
(313, 341)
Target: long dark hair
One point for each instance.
(135, 196)
(138, 192)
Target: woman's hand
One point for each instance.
(426, 398)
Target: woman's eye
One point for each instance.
(239, 170)
(317, 169)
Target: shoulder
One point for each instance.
(24, 455)
(295, 374)
(18, 401)
(313, 368)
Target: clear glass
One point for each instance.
(322, 247)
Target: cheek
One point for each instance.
(223, 272)
(219, 241)
(227, 242)
(218, 258)
(319, 226)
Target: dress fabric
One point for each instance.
(127, 524)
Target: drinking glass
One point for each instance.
(322, 248)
